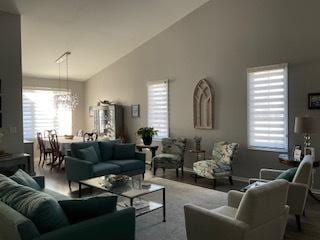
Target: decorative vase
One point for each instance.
(147, 140)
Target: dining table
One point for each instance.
(64, 144)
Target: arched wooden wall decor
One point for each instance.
(202, 106)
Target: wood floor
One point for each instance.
(55, 180)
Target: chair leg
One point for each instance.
(182, 171)
(230, 180)
(154, 170)
(40, 159)
(195, 178)
(69, 182)
(177, 172)
(298, 222)
(142, 175)
(214, 183)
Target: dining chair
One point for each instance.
(44, 151)
(57, 155)
(87, 137)
(49, 132)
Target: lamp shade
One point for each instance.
(306, 125)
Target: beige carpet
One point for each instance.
(150, 226)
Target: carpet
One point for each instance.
(150, 226)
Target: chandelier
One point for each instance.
(65, 99)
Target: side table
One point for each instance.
(198, 153)
(152, 148)
(289, 161)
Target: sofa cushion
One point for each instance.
(124, 151)
(89, 154)
(106, 149)
(42, 209)
(25, 179)
(288, 174)
(128, 164)
(103, 168)
(79, 210)
(75, 147)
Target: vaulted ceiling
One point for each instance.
(97, 32)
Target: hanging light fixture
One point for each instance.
(66, 100)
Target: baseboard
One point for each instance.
(244, 179)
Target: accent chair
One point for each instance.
(260, 213)
(220, 165)
(298, 188)
(172, 156)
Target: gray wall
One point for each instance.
(10, 73)
(219, 41)
(78, 121)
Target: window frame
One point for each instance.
(166, 81)
(286, 106)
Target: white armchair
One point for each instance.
(260, 213)
(298, 188)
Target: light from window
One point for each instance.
(158, 113)
(40, 113)
(268, 108)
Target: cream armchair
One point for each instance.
(259, 214)
(298, 188)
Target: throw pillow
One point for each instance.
(288, 174)
(42, 209)
(25, 179)
(78, 210)
(89, 154)
(124, 151)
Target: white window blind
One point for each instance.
(40, 113)
(268, 108)
(158, 113)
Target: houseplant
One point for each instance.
(146, 133)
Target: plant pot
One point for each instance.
(147, 140)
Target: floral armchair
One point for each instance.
(171, 156)
(221, 163)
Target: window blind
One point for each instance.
(268, 108)
(158, 113)
(40, 113)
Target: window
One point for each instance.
(268, 108)
(158, 113)
(40, 113)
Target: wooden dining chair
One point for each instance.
(49, 132)
(57, 155)
(44, 151)
(90, 137)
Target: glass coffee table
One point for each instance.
(133, 190)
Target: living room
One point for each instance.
(124, 55)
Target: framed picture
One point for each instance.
(135, 110)
(297, 152)
(309, 151)
(314, 100)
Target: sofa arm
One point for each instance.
(140, 156)
(78, 169)
(234, 198)
(119, 225)
(40, 180)
(207, 225)
(297, 196)
(269, 174)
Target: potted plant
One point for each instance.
(146, 133)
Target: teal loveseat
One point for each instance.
(105, 158)
(117, 225)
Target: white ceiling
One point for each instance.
(97, 32)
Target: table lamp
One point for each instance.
(306, 125)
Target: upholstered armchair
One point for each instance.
(172, 156)
(298, 188)
(220, 165)
(260, 213)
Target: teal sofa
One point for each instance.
(112, 157)
(118, 225)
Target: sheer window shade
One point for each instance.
(158, 113)
(40, 113)
(268, 108)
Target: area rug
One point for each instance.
(150, 226)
